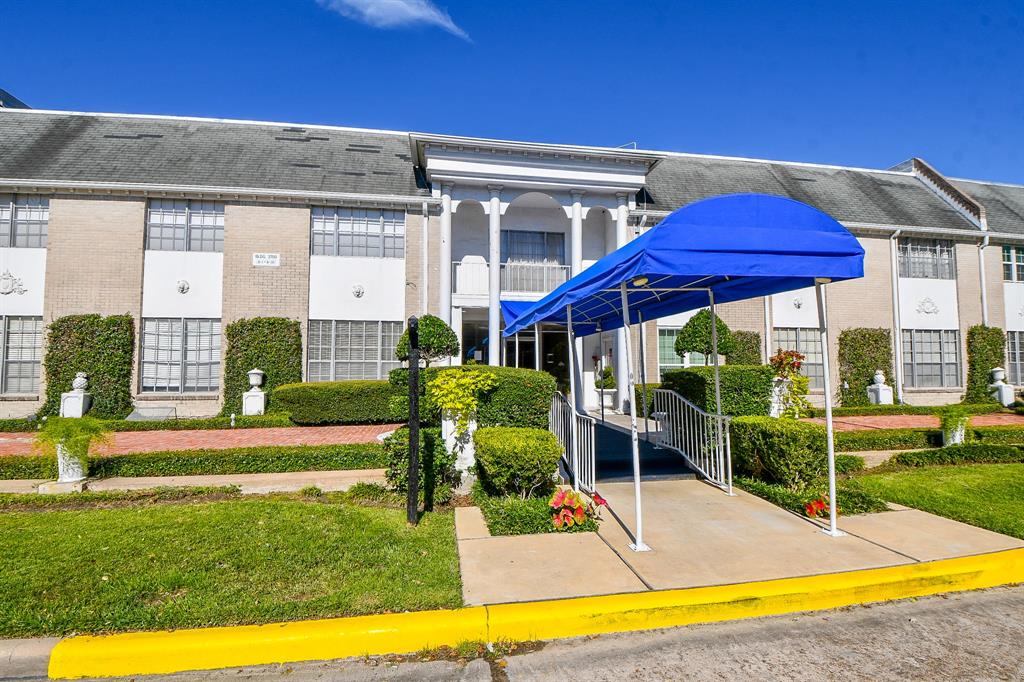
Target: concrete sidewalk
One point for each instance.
(328, 481)
(700, 536)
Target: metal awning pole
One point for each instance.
(819, 290)
(536, 347)
(573, 455)
(517, 349)
(638, 544)
(643, 379)
(600, 365)
(718, 387)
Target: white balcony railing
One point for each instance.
(471, 277)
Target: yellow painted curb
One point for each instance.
(146, 653)
(670, 608)
(149, 653)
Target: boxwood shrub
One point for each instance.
(343, 402)
(256, 460)
(887, 439)
(103, 348)
(783, 451)
(522, 397)
(862, 350)
(438, 476)
(975, 453)
(746, 389)
(272, 344)
(516, 461)
(650, 398)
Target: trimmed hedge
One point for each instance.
(862, 350)
(438, 476)
(852, 498)
(746, 389)
(887, 439)
(272, 344)
(650, 398)
(869, 410)
(516, 516)
(985, 351)
(746, 349)
(522, 397)
(516, 461)
(849, 464)
(103, 348)
(783, 451)
(257, 460)
(343, 402)
(196, 424)
(976, 453)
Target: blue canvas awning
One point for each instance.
(739, 246)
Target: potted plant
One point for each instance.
(606, 387)
(69, 440)
(954, 420)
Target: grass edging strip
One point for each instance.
(144, 653)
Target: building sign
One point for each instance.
(266, 260)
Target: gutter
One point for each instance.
(205, 191)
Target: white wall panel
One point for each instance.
(350, 288)
(928, 304)
(24, 285)
(1013, 306)
(798, 308)
(202, 274)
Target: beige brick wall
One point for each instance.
(94, 257)
(94, 261)
(864, 302)
(251, 291)
(415, 284)
(994, 286)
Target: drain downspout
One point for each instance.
(984, 289)
(897, 326)
(424, 255)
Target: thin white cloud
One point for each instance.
(395, 14)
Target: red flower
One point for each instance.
(599, 501)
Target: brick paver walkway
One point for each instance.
(155, 441)
(915, 421)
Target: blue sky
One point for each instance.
(863, 84)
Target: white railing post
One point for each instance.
(574, 400)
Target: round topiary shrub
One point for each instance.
(437, 341)
(695, 336)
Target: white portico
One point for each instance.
(517, 220)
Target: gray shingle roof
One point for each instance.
(849, 195)
(1004, 204)
(76, 147)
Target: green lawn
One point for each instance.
(217, 563)
(986, 495)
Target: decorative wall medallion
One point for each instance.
(9, 284)
(358, 291)
(183, 286)
(927, 307)
(798, 303)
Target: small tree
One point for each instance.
(437, 341)
(695, 336)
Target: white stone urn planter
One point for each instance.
(460, 445)
(607, 396)
(780, 389)
(254, 401)
(69, 469)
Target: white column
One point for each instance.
(576, 238)
(445, 279)
(897, 323)
(494, 277)
(621, 239)
(536, 347)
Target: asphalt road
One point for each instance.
(970, 636)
